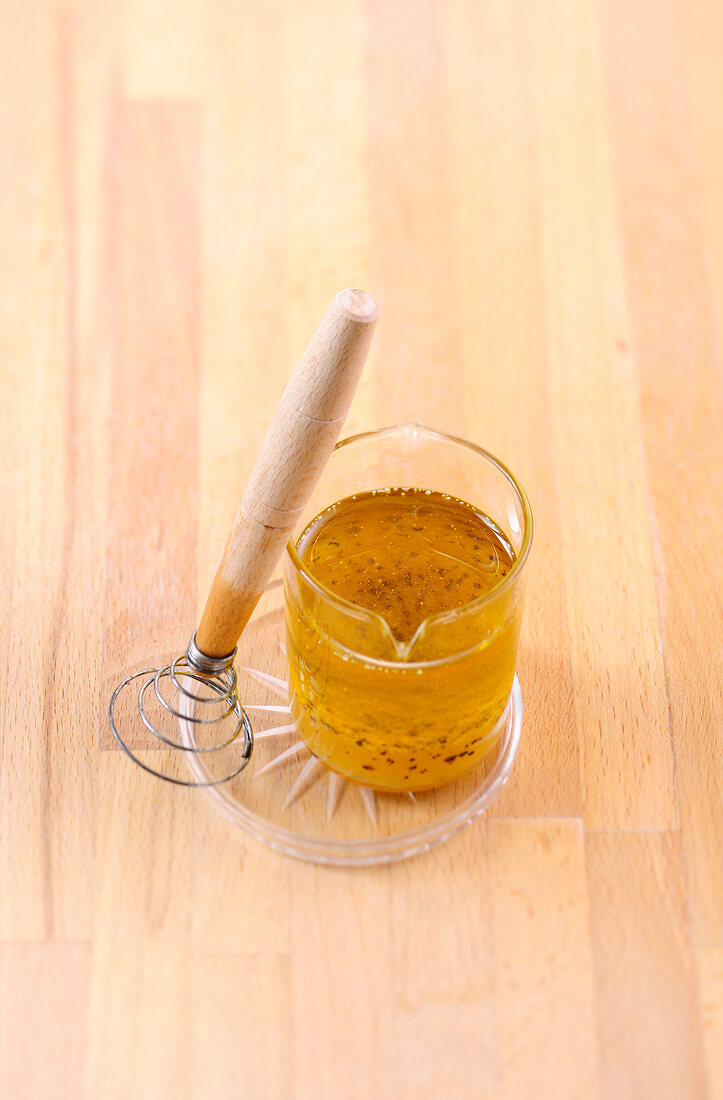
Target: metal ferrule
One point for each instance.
(209, 666)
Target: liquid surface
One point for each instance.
(411, 700)
(405, 554)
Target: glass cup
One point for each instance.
(406, 716)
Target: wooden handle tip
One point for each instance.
(357, 305)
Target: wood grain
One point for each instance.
(498, 217)
(443, 986)
(58, 973)
(620, 704)
(242, 1033)
(647, 995)
(151, 520)
(547, 1034)
(710, 977)
(33, 321)
(532, 192)
(341, 996)
(142, 925)
(667, 260)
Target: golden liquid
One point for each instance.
(394, 699)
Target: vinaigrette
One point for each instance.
(399, 665)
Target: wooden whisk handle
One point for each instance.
(300, 439)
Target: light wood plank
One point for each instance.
(153, 273)
(710, 978)
(141, 917)
(36, 478)
(667, 270)
(163, 48)
(42, 1048)
(73, 640)
(700, 41)
(444, 1040)
(619, 687)
(246, 354)
(140, 1007)
(414, 267)
(647, 1005)
(341, 982)
(235, 912)
(544, 993)
(242, 1042)
(326, 108)
(498, 234)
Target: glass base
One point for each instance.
(288, 799)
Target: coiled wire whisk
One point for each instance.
(301, 436)
(218, 676)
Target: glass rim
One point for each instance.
(487, 598)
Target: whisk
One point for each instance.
(300, 439)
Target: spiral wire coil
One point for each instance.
(218, 677)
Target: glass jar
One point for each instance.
(406, 716)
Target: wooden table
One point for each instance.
(532, 190)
